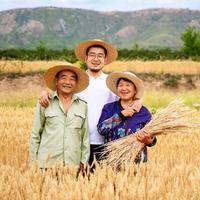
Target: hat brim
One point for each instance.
(81, 49)
(82, 77)
(112, 79)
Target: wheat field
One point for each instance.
(172, 172)
(173, 67)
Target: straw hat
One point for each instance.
(82, 77)
(81, 49)
(112, 79)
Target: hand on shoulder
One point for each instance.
(44, 98)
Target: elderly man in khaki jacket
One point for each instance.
(60, 132)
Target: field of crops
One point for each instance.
(173, 67)
(172, 172)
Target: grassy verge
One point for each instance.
(152, 99)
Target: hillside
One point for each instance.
(65, 27)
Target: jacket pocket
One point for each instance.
(52, 118)
(78, 120)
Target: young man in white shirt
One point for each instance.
(96, 53)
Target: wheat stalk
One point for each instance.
(175, 118)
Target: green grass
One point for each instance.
(152, 99)
(18, 99)
(159, 99)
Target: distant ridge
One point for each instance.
(65, 27)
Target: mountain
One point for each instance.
(65, 27)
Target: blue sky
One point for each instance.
(102, 5)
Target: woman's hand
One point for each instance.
(144, 137)
(128, 111)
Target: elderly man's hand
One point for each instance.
(144, 137)
(82, 167)
(44, 99)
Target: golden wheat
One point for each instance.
(173, 67)
(175, 118)
(26, 66)
(172, 171)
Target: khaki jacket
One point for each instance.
(59, 137)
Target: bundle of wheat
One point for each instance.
(175, 118)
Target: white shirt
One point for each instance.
(96, 95)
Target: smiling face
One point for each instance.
(95, 59)
(126, 90)
(66, 82)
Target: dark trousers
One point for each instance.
(95, 151)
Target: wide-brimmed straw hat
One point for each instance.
(112, 79)
(82, 77)
(81, 49)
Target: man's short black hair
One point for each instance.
(96, 46)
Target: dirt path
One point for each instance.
(151, 82)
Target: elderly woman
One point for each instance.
(118, 118)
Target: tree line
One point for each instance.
(190, 50)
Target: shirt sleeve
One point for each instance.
(108, 122)
(37, 129)
(85, 147)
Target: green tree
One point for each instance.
(136, 47)
(41, 50)
(191, 42)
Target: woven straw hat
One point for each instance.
(82, 77)
(112, 79)
(81, 49)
